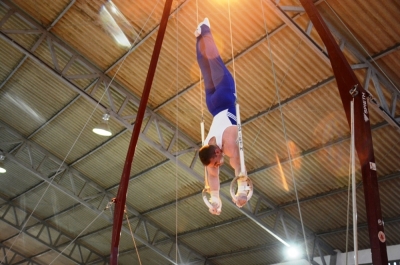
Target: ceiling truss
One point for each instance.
(11, 256)
(381, 81)
(47, 235)
(50, 170)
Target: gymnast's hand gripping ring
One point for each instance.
(242, 192)
(215, 207)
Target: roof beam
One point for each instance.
(33, 49)
(10, 255)
(11, 12)
(151, 33)
(305, 38)
(338, 191)
(305, 35)
(392, 220)
(26, 150)
(61, 15)
(48, 239)
(289, 100)
(16, 68)
(384, 53)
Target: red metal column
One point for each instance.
(123, 187)
(346, 80)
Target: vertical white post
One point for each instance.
(240, 138)
(202, 144)
(353, 183)
(202, 132)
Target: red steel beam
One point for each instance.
(346, 80)
(120, 200)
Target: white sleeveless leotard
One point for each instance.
(219, 124)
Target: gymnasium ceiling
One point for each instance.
(60, 72)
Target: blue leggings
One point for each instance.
(218, 81)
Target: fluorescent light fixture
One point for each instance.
(103, 128)
(110, 16)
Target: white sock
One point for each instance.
(206, 22)
(197, 32)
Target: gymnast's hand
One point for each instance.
(216, 204)
(241, 195)
(241, 200)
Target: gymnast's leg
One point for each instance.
(218, 81)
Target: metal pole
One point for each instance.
(346, 81)
(123, 187)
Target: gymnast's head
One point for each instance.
(211, 156)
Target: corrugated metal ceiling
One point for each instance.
(53, 56)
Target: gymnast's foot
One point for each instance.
(206, 22)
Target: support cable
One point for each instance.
(244, 189)
(232, 55)
(292, 174)
(242, 171)
(353, 185)
(286, 73)
(200, 85)
(348, 207)
(288, 148)
(177, 254)
(133, 236)
(206, 185)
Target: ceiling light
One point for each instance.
(113, 21)
(2, 168)
(103, 128)
(293, 252)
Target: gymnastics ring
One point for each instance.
(248, 188)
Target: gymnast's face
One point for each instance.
(218, 159)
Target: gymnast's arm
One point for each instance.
(231, 149)
(213, 182)
(213, 179)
